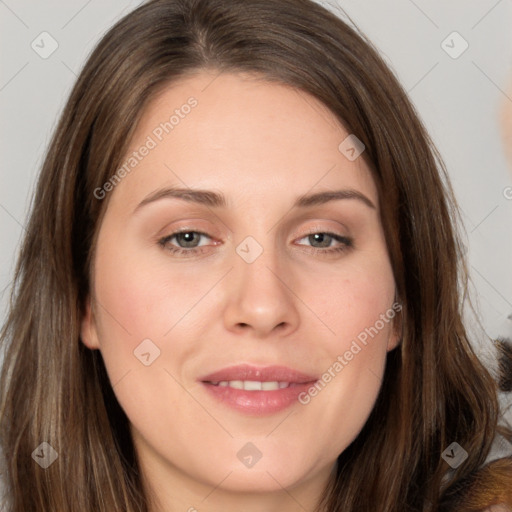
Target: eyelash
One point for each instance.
(347, 243)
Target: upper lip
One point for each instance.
(247, 372)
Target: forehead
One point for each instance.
(244, 135)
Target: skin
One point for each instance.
(262, 145)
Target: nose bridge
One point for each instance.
(258, 267)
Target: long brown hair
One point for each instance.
(55, 390)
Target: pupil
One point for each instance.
(188, 237)
(321, 238)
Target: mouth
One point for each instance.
(253, 385)
(257, 390)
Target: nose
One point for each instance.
(260, 296)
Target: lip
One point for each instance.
(259, 374)
(257, 403)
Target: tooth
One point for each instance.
(252, 385)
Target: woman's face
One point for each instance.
(296, 292)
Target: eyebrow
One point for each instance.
(218, 200)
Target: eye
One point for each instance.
(323, 242)
(188, 242)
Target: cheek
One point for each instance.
(141, 299)
(353, 301)
(360, 316)
(353, 362)
(136, 307)
(357, 307)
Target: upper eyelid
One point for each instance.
(315, 227)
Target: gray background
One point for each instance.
(458, 99)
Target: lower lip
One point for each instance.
(258, 402)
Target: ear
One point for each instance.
(88, 331)
(396, 332)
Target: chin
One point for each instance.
(258, 481)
